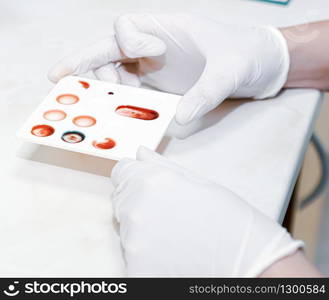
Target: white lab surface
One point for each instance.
(55, 210)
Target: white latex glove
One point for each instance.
(174, 223)
(185, 54)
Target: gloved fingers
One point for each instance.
(212, 88)
(145, 154)
(134, 35)
(128, 75)
(90, 58)
(108, 73)
(127, 176)
(121, 170)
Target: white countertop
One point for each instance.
(55, 209)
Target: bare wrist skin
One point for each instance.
(309, 60)
(295, 265)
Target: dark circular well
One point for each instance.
(73, 137)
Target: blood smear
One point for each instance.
(84, 121)
(73, 137)
(84, 84)
(136, 112)
(67, 99)
(54, 115)
(104, 144)
(42, 130)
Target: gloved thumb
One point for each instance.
(134, 35)
(212, 88)
(145, 154)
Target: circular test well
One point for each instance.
(54, 115)
(84, 121)
(67, 99)
(73, 137)
(42, 130)
(104, 144)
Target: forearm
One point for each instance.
(295, 265)
(309, 60)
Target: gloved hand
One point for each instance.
(174, 223)
(185, 54)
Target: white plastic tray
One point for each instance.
(100, 100)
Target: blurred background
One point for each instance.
(311, 223)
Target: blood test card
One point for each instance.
(100, 118)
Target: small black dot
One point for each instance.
(110, 93)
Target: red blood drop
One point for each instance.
(136, 112)
(105, 144)
(84, 84)
(42, 130)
